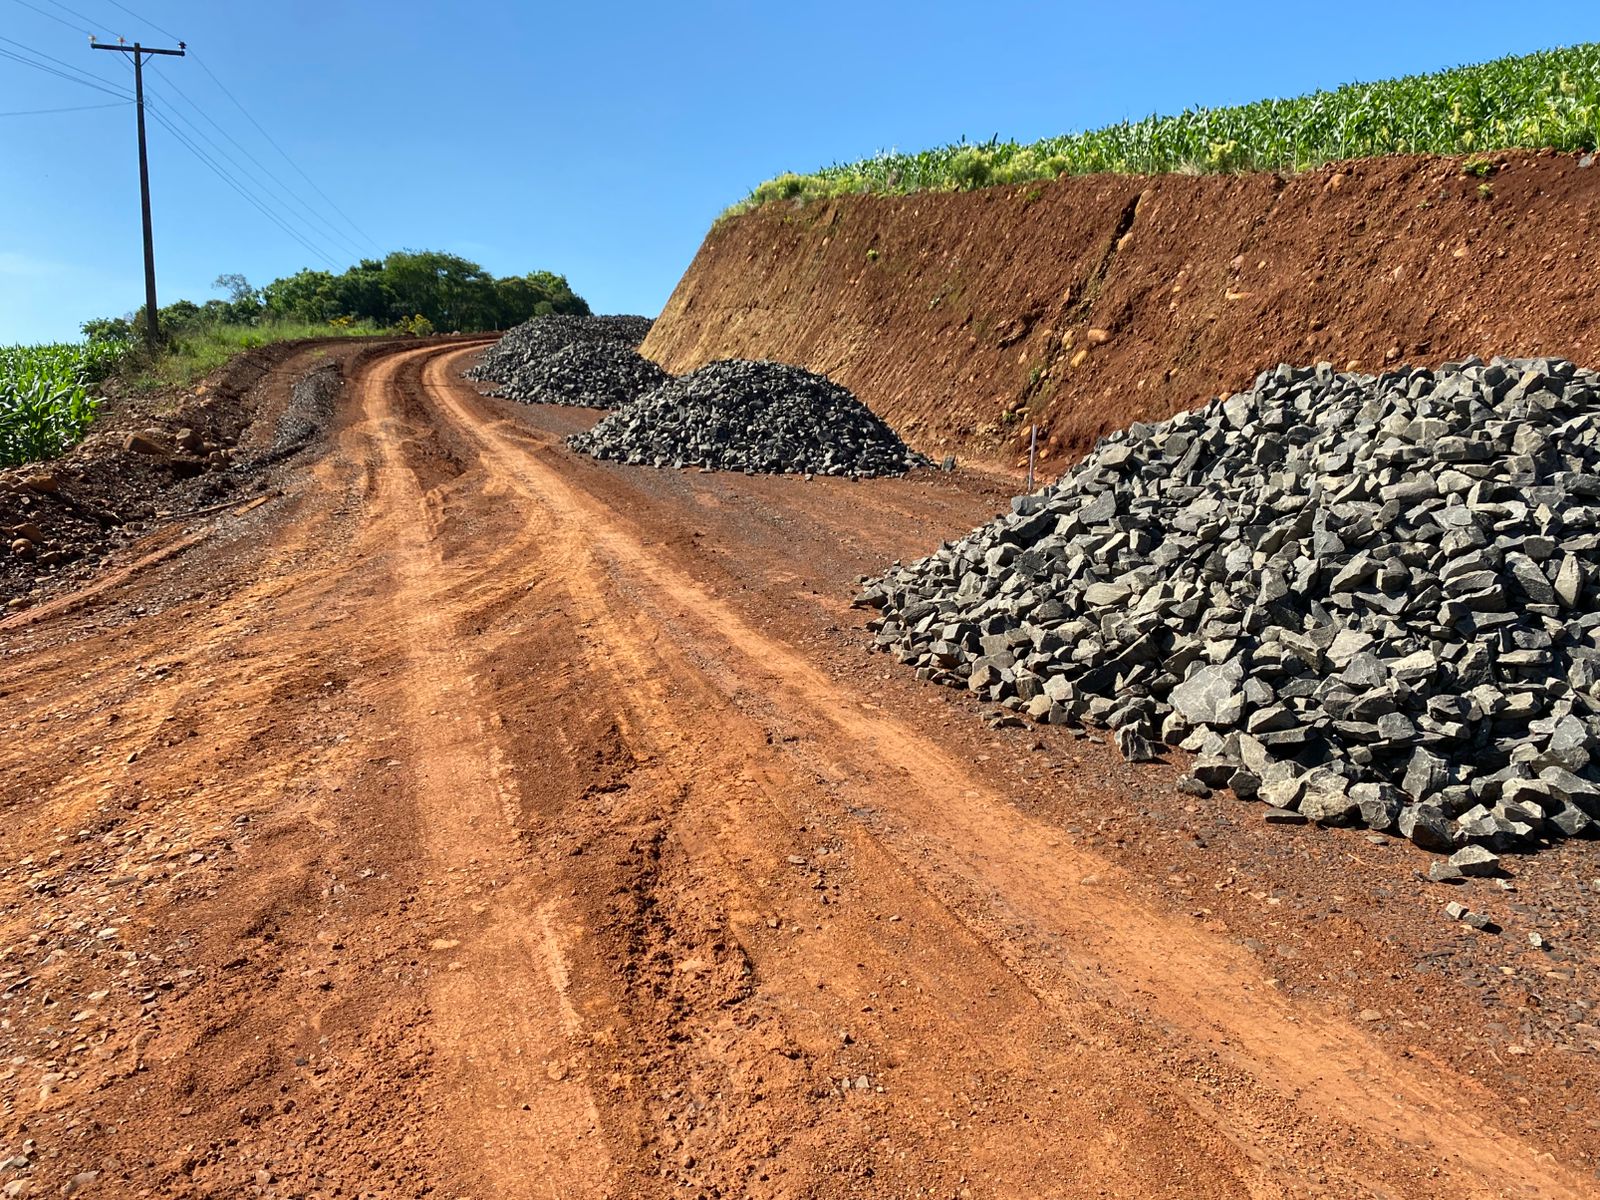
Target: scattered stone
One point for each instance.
(1134, 746)
(1443, 871)
(146, 443)
(1475, 860)
(1363, 599)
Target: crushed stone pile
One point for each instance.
(587, 374)
(1360, 599)
(536, 339)
(757, 417)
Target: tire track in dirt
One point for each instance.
(499, 1011)
(465, 833)
(1018, 890)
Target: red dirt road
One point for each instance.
(478, 820)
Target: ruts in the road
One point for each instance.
(481, 820)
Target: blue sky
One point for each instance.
(598, 140)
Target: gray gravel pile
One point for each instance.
(1361, 600)
(587, 374)
(541, 337)
(758, 417)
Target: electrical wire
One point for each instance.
(50, 16)
(165, 114)
(78, 77)
(39, 112)
(62, 64)
(156, 114)
(361, 233)
(146, 20)
(90, 25)
(243, 191)
(241, 174)
(324, 227)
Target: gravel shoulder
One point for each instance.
(475, 818)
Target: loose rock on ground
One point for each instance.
(759, 417)
(1358, 599)
(585, 374)
(521, 348)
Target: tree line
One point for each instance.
(419, 290)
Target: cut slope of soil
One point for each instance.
(1093, 302)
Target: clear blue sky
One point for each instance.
(601, 140)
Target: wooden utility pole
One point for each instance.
(152, 333)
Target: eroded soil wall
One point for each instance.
(1092, 302)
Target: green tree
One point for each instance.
(108, 329)
(304, 296)
(447, 291)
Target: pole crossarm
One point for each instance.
(136, 48)
(152, 330)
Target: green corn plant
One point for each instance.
(1547, 99)
(45, 403)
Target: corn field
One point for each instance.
(1549, 99)
(45, 401)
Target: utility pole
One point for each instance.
(152, 334)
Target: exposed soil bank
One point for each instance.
(961, 318)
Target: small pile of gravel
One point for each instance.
(587, 374)
(1358, 599)
(758, 417)
(541, 337)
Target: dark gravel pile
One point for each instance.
(541, 337)
(759, 417)
(1358, 599)
(588, 374)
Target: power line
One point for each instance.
(90, 26)
(58, 62)
(224, 87)
(359, 232)
(52, 17)
(242, 176)
(39, 112)
(243, 191)
(284, 192)
(49, 70)
(146, 20)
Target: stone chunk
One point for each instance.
(1210, 696)
(1475, 860)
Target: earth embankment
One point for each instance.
(1088, 303)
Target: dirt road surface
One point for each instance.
(476, 820)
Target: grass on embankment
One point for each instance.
(1548, 99)
(190, 356)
